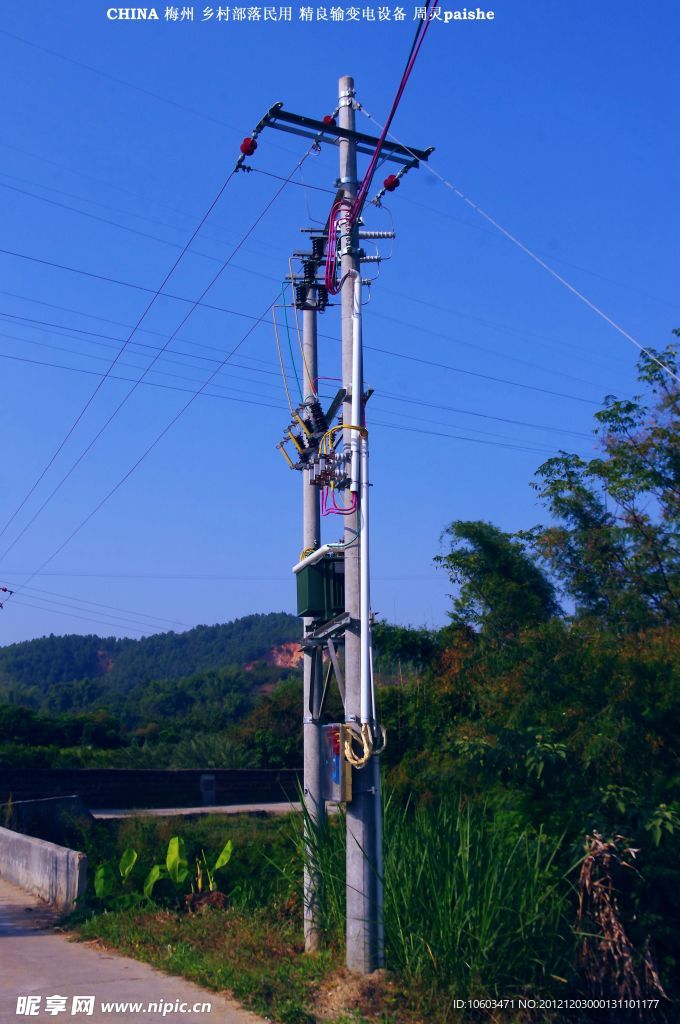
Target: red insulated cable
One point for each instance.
(330, 274)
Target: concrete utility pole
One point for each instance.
(312, 667)
(364, 824)
(331, 752)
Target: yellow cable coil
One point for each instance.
(324, 448)
(367, 742)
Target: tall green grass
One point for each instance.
(474, 899)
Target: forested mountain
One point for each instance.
(60, 672)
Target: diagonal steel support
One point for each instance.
(335, 661)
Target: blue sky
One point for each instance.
(560, 119)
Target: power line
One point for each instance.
(481, 376)
(221, 309)
(244, 401)
(150, 447)
(97, 604)
(556, 259)
(135, 231)
(201, 578)
(72, 615)
(132, 390)
(98, 387)
(120, 621)
(168, 426)
(131, 380)
(134, 366)
(118, 323)
(216, 225)
(272, 248)
(302, 184)
(382, 395)
(483, 415)
(119, 81)
(483, 348)
(131, 85)
(274, 372)
(458, 437)
(541, 262)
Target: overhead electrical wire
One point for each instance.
(245, 401)
(249, 270)
(98, 387)
(197, 344)
(130, 380)
(187, 404)
(469, 344)
(272, 372)
(482, 376)
(482, 348)
(273, 248)
(390, 397)
(458, 437)
(247, 316)
(120, 621)
(208, 359)
(131, 85)
(194, 395)
(22, 603)
(276, 248)
(113, 341)
(149, 448)
(556, 259)
(142, 234)
(537, 259)
(139, 616)
(137, 382)
(218, 232)
(134, 366)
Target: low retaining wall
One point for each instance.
(131, 788)
(52, 819)
(52, 872)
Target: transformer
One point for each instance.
(321, 589)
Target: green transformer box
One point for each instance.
(321, 589)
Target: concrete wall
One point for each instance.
(121, 787)
(55, 818)
(52, 872)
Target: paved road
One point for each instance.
(39, 962)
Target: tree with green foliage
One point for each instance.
(501, 589)
(615, 547)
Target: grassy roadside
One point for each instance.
(260, 961)
(246, 954)
(254, 950)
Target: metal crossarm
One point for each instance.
(310, 128)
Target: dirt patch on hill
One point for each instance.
(287, 655)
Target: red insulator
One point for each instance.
(329, 119)
(391, 182)
(248, 146)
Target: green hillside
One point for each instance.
(57, 673)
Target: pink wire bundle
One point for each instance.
(329, 506)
